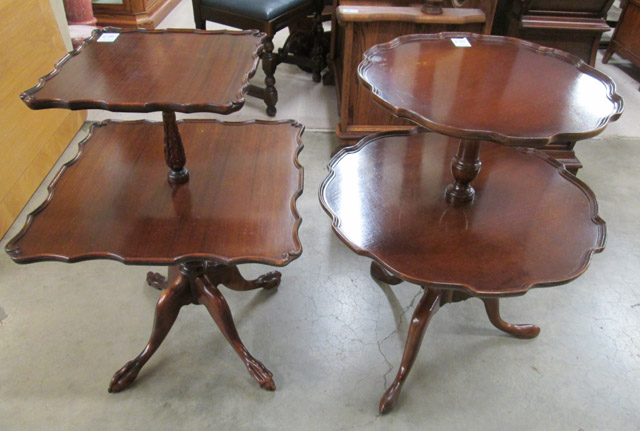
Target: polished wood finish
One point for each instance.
(196, 283)
(145, 14)
(146, 71)
(30, 145)
(238, 207)
(532, 224)
(161, 76)
(457, 92)
(626, 38)
(386, 197)
(429, 304)
(362, 24)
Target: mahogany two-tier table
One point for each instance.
(473, 210)
(229, 195)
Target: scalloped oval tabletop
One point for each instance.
(497, 88)
(532, 224)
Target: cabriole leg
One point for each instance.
(210, 297)
(380, 274)
(492, 305)
(167, 309)
(230, 276)
(428, 306)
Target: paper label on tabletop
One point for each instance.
(461, 42)
(108, 37)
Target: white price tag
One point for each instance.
(461, 42)
(348, 10)
(108, 37)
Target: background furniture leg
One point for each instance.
(210, 297)
(269, 68)
(167, 309)
(492, 305)
(428, 306)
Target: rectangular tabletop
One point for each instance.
(144, 71)
(113, 200)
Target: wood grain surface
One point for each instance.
(159, 70)
(532, 223)
(499, 89)
(113, 200)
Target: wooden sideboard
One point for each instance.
(626, 38)
(362, 24)
(132, 13)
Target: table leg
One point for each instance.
(173, 150)
(159, 281)
(230, 276)
(210, 297)
(167, 309)
(465, 166)
(428, 306)
(380, 274)
(492, 305)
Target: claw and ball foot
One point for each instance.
(428, 306)
(380, 274)
(520, 331)
(195, 282)
(212, 299)
(172, 299)
(156, 280)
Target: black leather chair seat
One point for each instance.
(259, 9)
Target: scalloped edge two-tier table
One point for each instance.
(235, 204)
(522, 221)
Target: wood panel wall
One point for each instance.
(30, 141)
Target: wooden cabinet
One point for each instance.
(132, 13)
(626, 39)
(574, 27)
(362, 24)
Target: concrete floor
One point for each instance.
(331, 335)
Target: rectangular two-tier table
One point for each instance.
(233, 201)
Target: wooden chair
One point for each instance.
(269, 16)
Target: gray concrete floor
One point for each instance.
(332, 336)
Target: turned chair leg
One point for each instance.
(428, 306)
(492, 305)
(167, 309)
(269, 62)
(230, 277)
(317, 53)
(210, 297)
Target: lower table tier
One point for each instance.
(113, 201)
(531, 223)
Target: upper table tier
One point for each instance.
(500, 89)
(160, 70)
